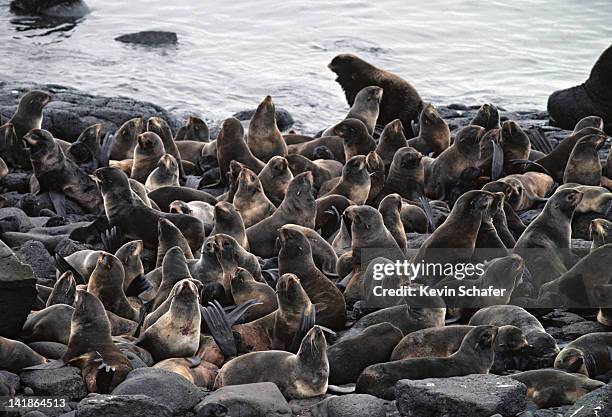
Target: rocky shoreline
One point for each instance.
(156, 392)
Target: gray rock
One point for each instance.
(50, 350)
(62, 382)
(9, 383)
(34, 414)
(149, 38)
(167, 387)
(353, 405)
(24, 221)
(35, 254)
(16, 181)
(262, 399)
(560, 318)
(72, 110)
(597, 403)
(575, 330)
(284, 120)
(528, 216)
(95, 405)
(472, 395)
(17, 292)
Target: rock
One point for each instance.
(149, 38)
(95, 405)
(17, 181)
(34, 414)
(416, 240)
(167, 387)
(353, 405)
(262, 399)
(472, 395)
(284, 120)
(560, 318)
(25, 222)
(528, 216)
(575, 330)
(61, 382)
(72, 110)
(50, 350)
(596, 403)
(67, 247)
(17, 292)
(9, 383)
(35, 254)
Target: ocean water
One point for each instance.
(231, 54)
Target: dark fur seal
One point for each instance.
(169, 236)
(264, 138)
(365, 108)
(228, 221)
(475, 356)
(29, 113)
(166, 174)
(321, 172)
(12, 149)
(195, 129)
(400, 99)
(523, 191)
(355, 181)
(434, 135)
(250, 199)
(149, 149)
(162, 129)
(391, 140)
(56, 8)
(583, 165)
(390, 209)
(244, 288)
(355, 138)
(406, 175)
(125, 139)
(231, 146)
(308, 149)
(487, 117)
(275, 178)
(590, 355)
(15, 355)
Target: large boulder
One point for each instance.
(471, 395)
(96, 405)
(61, 382)
(353, 405)
(17, 292)
(262, 399)
(596, 403)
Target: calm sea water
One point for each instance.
(231, 54)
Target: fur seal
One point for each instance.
(391, 140)
(162, 129)
(487, 117)
(475, 356)
(295, 257)
(322, 171)
(323, 253)
(29, 112)
(298, 207)
(515, 145)
(194, 129)
(244, 288)
(87, 150)
(413, 218)
(583, 165)
(400, 100)
(164, 196)
(446, 169)
(169, 236)
(125, 139)
(264, 139)
(329, 210)
(390, 209)
(594, 199)
(355, 181)
(64, 290)
(300, 375)
(12, 149)
(231, 146)
(201, 210)
(231, 255)
(590, 355)
(250, 200)
(365, 108)
(15, 355)
(275, 178)
(523, 191)
(149, 149)
(599, 231)
(165, 175)
(228, 221)
(434, 135)
(406, 175)
(203, 375)
(308, 149)
(356, 139)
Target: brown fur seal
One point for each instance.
(60, 176)
(406, 174)
(390, 208)
(231, 146)
(295, 257)
(323, 253)
(15, 355)
(298, 207)
(250, 199)
(583, 165)
(244, 288)
(321, 172)
(169, 236)
(64, 290)
(488, 238)
(365, 108)
(308, 149)
(205, 212)
(165, 195)
(125, 139)
(355, 181)
(400, 99)
(523, 191)
(137, 221)
(356, 139)
(228, 221)
(434, 135)
(12, 149)
(487, 117)
(149, 149)
(300, 375)
(195, 129)
(203, 375)
(329, 210)
(590, 355)
(413, 218)
(29, 113)
(264, 139)
(165, 175)
(231, 255)
(87, 150)
(376, 168)
(475, 356)
(594, 199)
(515, 145)
(446, 169)
(391, 140)
(553, 388)
(275, 178)
(350, 356)
(600, 232)
(162, 129)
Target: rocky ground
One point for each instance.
(155, 392)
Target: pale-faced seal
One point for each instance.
(264, 138)
(434, 134)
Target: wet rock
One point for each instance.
(24, 221)
(16, 181)
(17, 292)
(284, 120)
(353, 405)
(473, 395)
(560, 318)
(597, 403)
(72, 110)
(50, 350)
(262, 399)
(96, 405)
(149, 38)
(167, 387)
(9, 383)
(61, 382)
(67, 247)
(35, 254)
(575, 330)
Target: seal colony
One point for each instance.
(250, 257)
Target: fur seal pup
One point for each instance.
(590, 355)
(176, 333)
(406, 175)
(300, 375)
(295, 256)
(59, 176)
(594, 199)
(355, 181)
(137, 221)
(203, 375)
(275, 178)
(446, 169)
(554, 388)
(413, 218)
(205, 212)
(400, 100)
(15, 355)
(231, 255)
(365, 108)
(434, 135)
(329, 210)
(164, 196)
(390, 209)
(125, 139)
(391, 140)
(309, 149)
(475, 356)
(350, 356)
(228, 221)
(321, 172)
(298, 207)
(487, 117)
(515, 144)
(543, 347)
(250, 200)
(523, 191)
(160, 127)
(356, 139)
(169, 236)
(264, 139)
(583, 165)
(29, 113)
(165, 175)
(149, 149)
(323, 253)
(194, 129)
(231, 146)
(551, 233)
(244, 288)
(64, 290)
(87, 150)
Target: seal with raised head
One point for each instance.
(355, 181)
(165, 175)
(400, 100)
(125, 139)
(594, 199)
(487, 117)
(29, 112)
(356, 139)
(149, 149)
(365, 108)
(231, 147)
(434, 135)
(391, 140)
(194, 129)
(406, 175)
(162, 129)
(275, 178)
(583, 165)
(250, 200)
(264, 138)
(229, 221)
